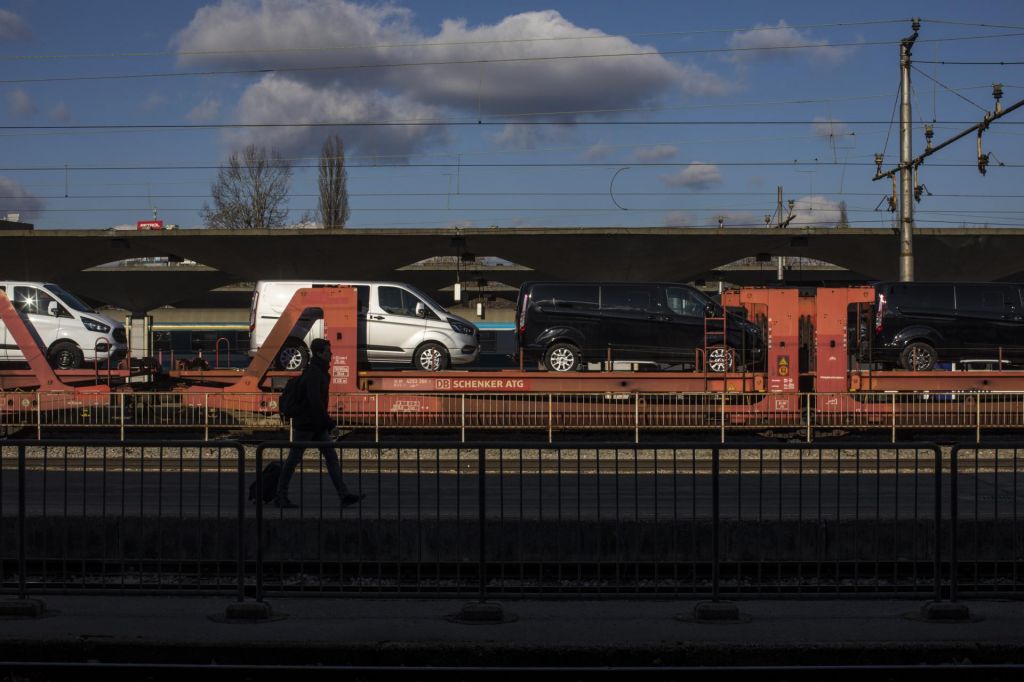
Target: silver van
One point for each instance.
(398, 324)
(71, 332)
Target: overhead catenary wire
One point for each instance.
(501, 60)
(568, 164)
(446, 43)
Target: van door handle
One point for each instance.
(660, 318)
(376, 317)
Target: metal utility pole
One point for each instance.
(780, 274)
(906, 170)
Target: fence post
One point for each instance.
(810, 428)
(22, 590)
(482, 514)
(636, 417)
(938, 525)
(206, 416)
(463, 410)
(951, 610)
(22, 606)
(893, 417)
(551, 425)
(722, 435)
(241, 610)
(954, 517)
(977, 418)
(39, 415)
(121, 405)
(481, 611)
(376, 418)
(716, 610)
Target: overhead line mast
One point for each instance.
(910, 190)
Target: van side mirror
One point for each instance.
(712, 310)
(53, 310)
(421, 310)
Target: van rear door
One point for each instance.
(991, 314)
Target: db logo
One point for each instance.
(783, 366)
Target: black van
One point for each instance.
(918, 324)
(565, 324)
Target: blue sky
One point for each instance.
(630, 139)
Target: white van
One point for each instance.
(398, 324)
(71, 332)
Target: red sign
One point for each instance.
(149, 225)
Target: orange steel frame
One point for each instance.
(782, 311)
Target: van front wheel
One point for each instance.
(431, 357)
(293, 356)
(65, 355)
(563, 357)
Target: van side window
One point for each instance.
(626, 297)
(983, 299)
(573, 296)
(685, 302)
(397, 301)
(33, 301)
(937, 297)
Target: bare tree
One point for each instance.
(334, 208)
(844, 220)
(250, 192)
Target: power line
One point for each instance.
(503, 60)
(541, 165)
(391, 195)
(965, 63)
(937, 81)
(425, 123)
(365, 46)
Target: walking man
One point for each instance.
(314, 423)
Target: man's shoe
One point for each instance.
(351, 499)
(283, 503)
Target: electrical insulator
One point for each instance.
(997, 93)
(916, 24)
(878, 163)
(982, 163)
(929, 133)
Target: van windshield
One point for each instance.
(69, 299)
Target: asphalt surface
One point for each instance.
(402, 632)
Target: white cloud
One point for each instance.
(13, 27)
(19, 103)
(153, 102)
(205, 111)
(15, 199)
(829, 128)
(695, 176)
(61, 113)
(783, 41)
(736, 219)
(275, 99)
(597, 152)
(233, 34)
(518, 136)
(661, 152)
(679, 219)
(815, 211)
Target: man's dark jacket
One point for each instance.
(316, 382)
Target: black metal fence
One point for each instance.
(514, 519)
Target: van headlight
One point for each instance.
(461, 327)
(95, 326)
